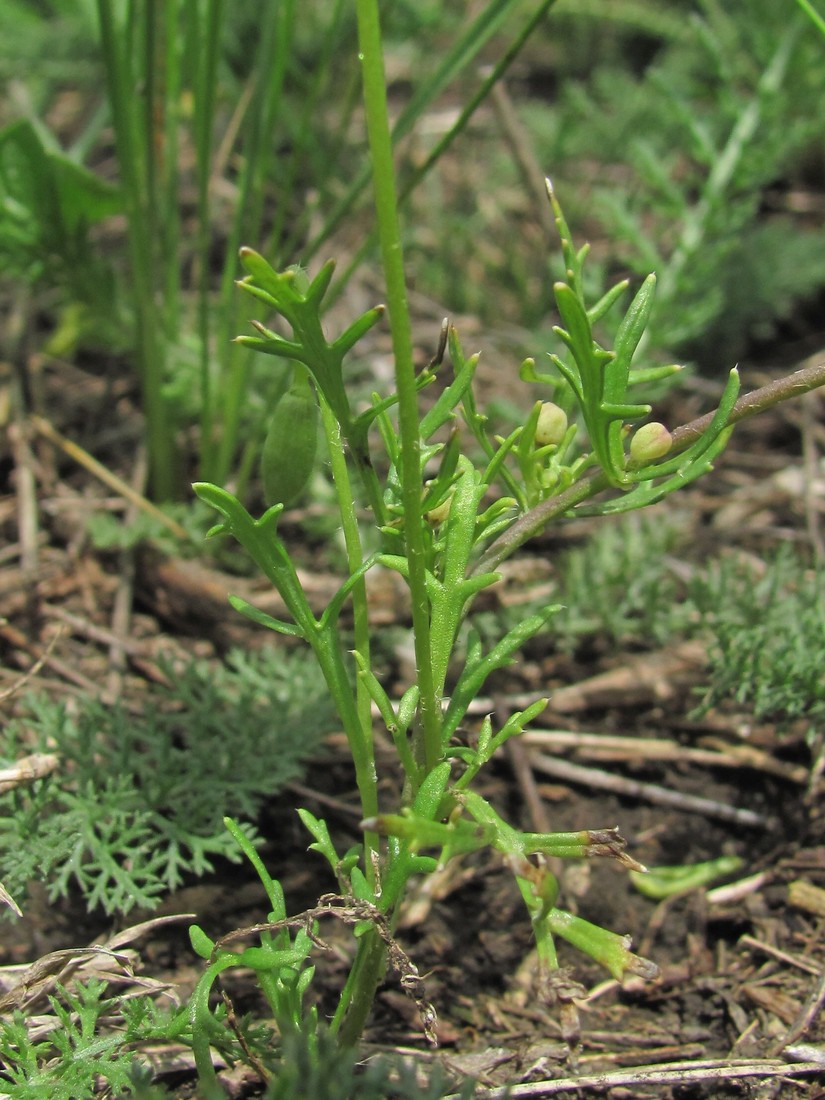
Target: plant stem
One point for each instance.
(812, 14)
(489, 82)
(380, 142)
(492, 16)
(352, 540)
(359, 992)
(358, 995)
(755, 402)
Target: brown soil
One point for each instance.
(742, 965)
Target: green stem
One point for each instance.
(457, 58)
(812, 14)
(169, 194)
(459, 126)
(357, 997)
(352, 541)
(383, 173)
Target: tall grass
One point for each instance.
(281, 149)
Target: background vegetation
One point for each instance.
(137, 154)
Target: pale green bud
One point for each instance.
(551, 425)
(650, 442)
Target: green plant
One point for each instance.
(92, 1041)
(768, 637)
(812, 14)
(325, 1072)
(97, 1040)
(449, 502)
(445, 535)
(138, 801)
(49, 204)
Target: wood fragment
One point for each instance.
(647, 679)
(47, 430)
(596, 779)
(804, 895)
(27, 769)
(806, 1018)
(21, 682)
(807, 1052)
(799, 961)
(603, 746)
(771, 1000)
(124, 594)
(87, 629)
(813, 487)
(18, 640)
(669, 1073)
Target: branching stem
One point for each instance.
(753, 403)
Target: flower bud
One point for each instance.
(650, 442)
(551, 425)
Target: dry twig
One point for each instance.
(669, 1073)
(599, 780)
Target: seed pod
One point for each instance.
(551, 425)
(288, 457)
(650, 442)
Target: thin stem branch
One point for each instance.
(206, 82)
(533, 522)
(812, 14)
(352, 540)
